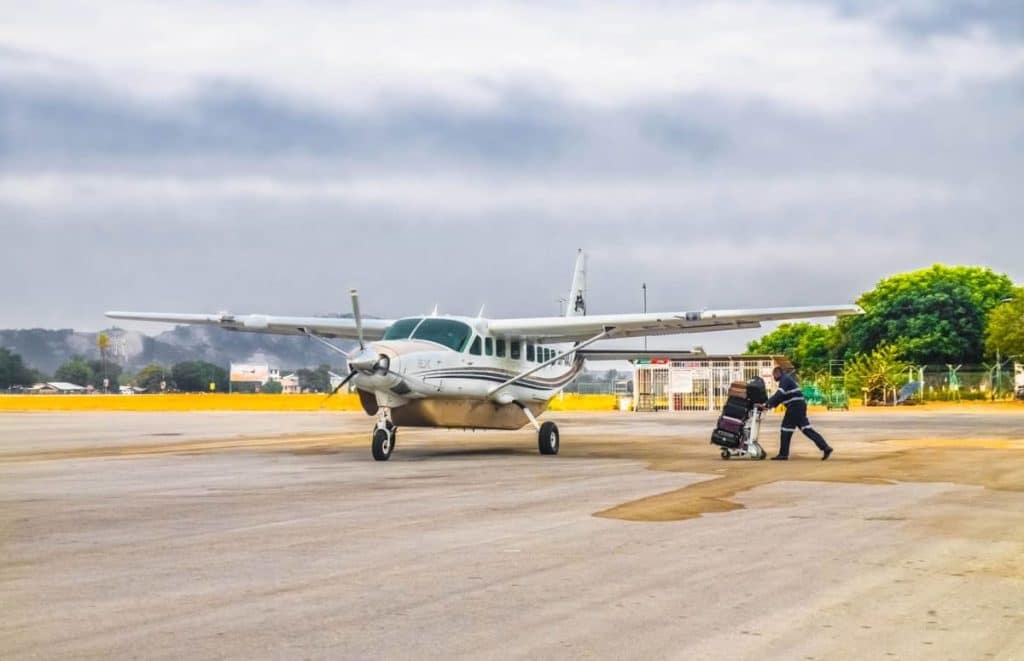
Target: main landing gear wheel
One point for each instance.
(726, 455)
(547, 438)
(383, 444)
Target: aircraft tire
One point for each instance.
(548, 439)
(383, 444)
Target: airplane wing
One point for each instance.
(595, 355)
(373, 329)
(657, 323)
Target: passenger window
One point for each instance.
(514, 349)
(531, 355)
(475, 347)
(500, 349)
(488, 347)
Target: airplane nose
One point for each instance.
(368, 361)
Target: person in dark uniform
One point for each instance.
(789, 393)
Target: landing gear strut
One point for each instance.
(384, 435)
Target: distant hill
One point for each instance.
(46, 350)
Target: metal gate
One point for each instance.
(695, 385)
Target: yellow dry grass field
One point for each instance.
(238, 402)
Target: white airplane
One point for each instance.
(478, 373)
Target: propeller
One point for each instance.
(364, 360)
(357, 316)
(338, 387)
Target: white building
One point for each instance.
(290, 384)
(56, 388)
(697, 383)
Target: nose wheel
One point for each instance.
(547, 438)
(383, 440)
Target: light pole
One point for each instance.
(644, 288)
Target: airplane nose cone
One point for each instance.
(365, 361)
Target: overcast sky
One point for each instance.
(265, 157)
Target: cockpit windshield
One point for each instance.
(448, 332)
(402, 329)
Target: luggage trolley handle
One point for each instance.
(755, 424)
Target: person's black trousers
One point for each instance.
(796, 418)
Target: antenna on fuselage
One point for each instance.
(480, 314)
(433, 313)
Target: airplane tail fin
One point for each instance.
(577, 301)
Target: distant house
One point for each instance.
(56, 388)
(290, 384)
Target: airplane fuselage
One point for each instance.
(449, 378)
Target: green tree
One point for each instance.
(809, 346)
(935, 315)
(13, 371)
(197, 375)
(318, 380)
(1005, 334)
(272, 388)
(105, 370)
(876, 373)
(150, 377)
(76, 370)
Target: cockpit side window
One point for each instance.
(475, 347)
(447, 332)
(401, 329)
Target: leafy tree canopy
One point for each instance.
(13, 371)
(197, 375)
(150, 377)
(1005, 333)
(105, 369)
(935, 315)
(77, 371)
(809, 346)
(272, 387)
(318, 380)
(876, 373)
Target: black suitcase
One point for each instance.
(725, 439)
(757, 391)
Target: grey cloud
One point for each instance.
(682, 193)
(930, 17)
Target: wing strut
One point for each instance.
(608, 330)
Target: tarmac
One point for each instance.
(275, 535)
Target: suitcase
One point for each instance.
(731, 425)
(738, 389)
(736, 408)
(725, 439)
(757, 391)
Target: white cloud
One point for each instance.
(358, 55)
(457, 196)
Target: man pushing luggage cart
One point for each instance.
(738, 426)
(789, 393)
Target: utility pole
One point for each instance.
(644, 288)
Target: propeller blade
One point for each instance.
(337, 388)
(357, 316)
